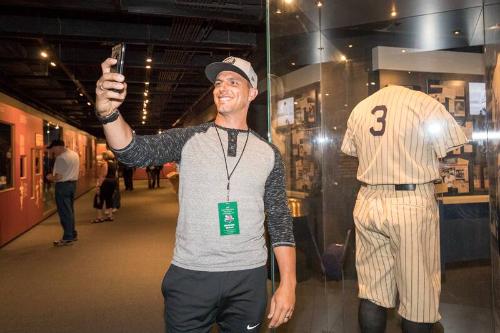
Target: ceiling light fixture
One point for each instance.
(88, 103)
(148, 67)
(278, 11)
(149, 60)
(44, 54)
(343, 58)
(53, 64)
(457, 32)
(80, 94)
(403, 51)
(143, 122)
(319, 4)
(350, 46)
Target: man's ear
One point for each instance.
(252, 94)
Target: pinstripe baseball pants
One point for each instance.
(397, 249)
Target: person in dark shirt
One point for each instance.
(105, 187)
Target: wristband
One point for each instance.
(108, 118)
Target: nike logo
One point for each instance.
(252, 327)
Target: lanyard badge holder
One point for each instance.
(229, 223)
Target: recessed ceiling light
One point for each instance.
(403, 51)
(148, 66)
(88, 103)
(350, 46)
(457, 32)
(145, 93)
(149, 60)
(144, 117)
(394, 13)
(44, 54)
(278, 11)
(343, 58)
(143, 122)
(319, 4)
(53, 64)
(146, 83)
(293, 64)
(80, 94)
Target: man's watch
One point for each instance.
(108, 118)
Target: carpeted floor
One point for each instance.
(108, 281)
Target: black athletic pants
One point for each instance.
(195, 300)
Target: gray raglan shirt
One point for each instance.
(257, 184)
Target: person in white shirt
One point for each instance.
(65, 175)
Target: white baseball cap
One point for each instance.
(232, 64)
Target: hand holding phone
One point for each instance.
(118, 53)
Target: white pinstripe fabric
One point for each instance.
(418, 130)
(398, 252)
(398, 135)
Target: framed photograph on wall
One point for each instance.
(477, 98)
(450, 93)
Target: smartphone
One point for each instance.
(118, 52)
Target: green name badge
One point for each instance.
(228, 218)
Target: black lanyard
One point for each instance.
(225, 161)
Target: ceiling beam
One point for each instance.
(241, 14)
(59, 29)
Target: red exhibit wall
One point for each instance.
(22, 205)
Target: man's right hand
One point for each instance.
(108, 100)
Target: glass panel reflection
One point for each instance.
(324, 60)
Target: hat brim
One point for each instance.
(213, 69)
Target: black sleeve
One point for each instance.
(155, 149)
(279, 220)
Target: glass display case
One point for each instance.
(326, 57)
(6, 132)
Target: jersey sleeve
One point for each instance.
(348, 146)
(154, 149)
(279, 220)
(444, 132)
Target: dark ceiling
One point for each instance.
(181, 37)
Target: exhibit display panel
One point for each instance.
(326, 57)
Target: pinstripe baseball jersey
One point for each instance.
(398, 134)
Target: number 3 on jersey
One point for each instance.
(382, 111)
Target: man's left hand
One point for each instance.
(282, 305)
